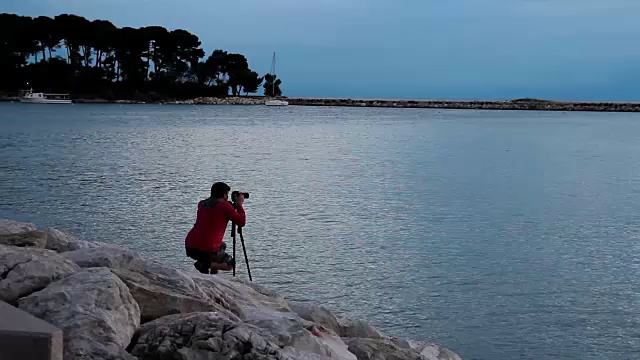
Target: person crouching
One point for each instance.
(204, 241)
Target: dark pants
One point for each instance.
(204, 259)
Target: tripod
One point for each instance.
(244, 249)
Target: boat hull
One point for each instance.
(276, 103)
(45, 101)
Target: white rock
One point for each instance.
(214, 336)
(13, 227)
(57, 240)
(239, 294)
(398, 349)
(380, 349)
(158, 289)
(358, 329)
(161, 290)
(317, 314)
(26, 270)
(343, 327)
(287, 329)
(432, 351)
(207, 335)
(92, 306)
(110, 256)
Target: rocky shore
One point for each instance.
(113, 304)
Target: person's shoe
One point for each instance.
(199, 266)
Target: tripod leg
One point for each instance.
(233, 235)
(246, 258)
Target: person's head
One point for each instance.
(220, 190)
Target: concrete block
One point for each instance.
(24, 336)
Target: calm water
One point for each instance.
(502, 235)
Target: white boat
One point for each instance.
(275, 102)
(29, 97)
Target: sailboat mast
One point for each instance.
(274, 75)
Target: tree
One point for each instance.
(103, 42)
(236, 65)
(272, 83)
(129, 48)
(216, 67)
(16, 45)
(157, 47)
(49, 33)
(250, 81)
(98, 57)
(42, 28)
(186, 46)
(77, 34)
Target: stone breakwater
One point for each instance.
(219, 101)
(113, 304)
(520, 104)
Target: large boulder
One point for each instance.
(206, 335)
(110, 256)
(95, 310)
(162, 290)
(158, 289)
(289, 331)
(432, 351)
(212, 335)
(59, 241)
(26, 270)
(34, 238)
(358, 328)
(342, 326)
(318, 314)
(398, 349)
(380, 349)
(239, 294)
(14, 227)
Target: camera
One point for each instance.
(235, 194)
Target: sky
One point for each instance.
(416, 49)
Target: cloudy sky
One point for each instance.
(455, 49)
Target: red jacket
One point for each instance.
(211, 223)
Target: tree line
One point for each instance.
(69, 53)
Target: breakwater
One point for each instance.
(518, 104)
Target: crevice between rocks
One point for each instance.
(4, 274)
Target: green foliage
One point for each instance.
(71, 53)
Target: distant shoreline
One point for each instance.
(517, 104)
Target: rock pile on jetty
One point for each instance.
(113, 304)
(220, 101)
(518, 104)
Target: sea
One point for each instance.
(497, 234)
